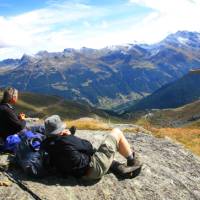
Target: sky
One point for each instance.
(29, 26)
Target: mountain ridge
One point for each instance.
(107, 77)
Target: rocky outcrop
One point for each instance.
(169, 172)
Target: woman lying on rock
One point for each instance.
(76, 157)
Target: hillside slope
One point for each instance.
(36, 105)
(179, 117)
(187, 115)
(180, 92)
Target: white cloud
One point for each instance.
(168, 17)
(104, 24)
(63, 25)
(48, 28)
(170, 6)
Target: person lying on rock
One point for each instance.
(71, 155)
(10, 122)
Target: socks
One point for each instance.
(131, 159)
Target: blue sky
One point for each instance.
(14, 7)
(52, 25)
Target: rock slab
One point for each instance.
(169, 172)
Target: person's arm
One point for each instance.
(82, 145)
(14, 122)
(88, 148)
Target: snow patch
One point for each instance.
(198, 36)
(182, 40)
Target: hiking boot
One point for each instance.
(73, 130)
(135, 161)
(124, 171)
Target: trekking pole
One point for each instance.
(20, 184)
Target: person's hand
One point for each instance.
(73, 130)
(65, 132)
(22, 116)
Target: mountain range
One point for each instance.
(106, 77)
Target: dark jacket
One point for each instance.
(9, 122)
(70, 155)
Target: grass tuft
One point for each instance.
(88, 124)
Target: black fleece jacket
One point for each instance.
(9, 122)
(70, 155)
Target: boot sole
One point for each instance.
(127, 172)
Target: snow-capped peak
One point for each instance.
(182, 40)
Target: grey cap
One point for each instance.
(54, 125)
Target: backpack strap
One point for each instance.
(34, 143)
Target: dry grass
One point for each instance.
(144, 123)
(94, 124)
(190, 138)
(88, 124)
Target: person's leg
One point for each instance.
(123, 145)
(103, 159)
(130, 170)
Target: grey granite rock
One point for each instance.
(169, 172)
(10, 190)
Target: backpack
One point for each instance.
(29, 156)
(12, 141)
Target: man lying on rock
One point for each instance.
(10, 123)
(73, 156)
